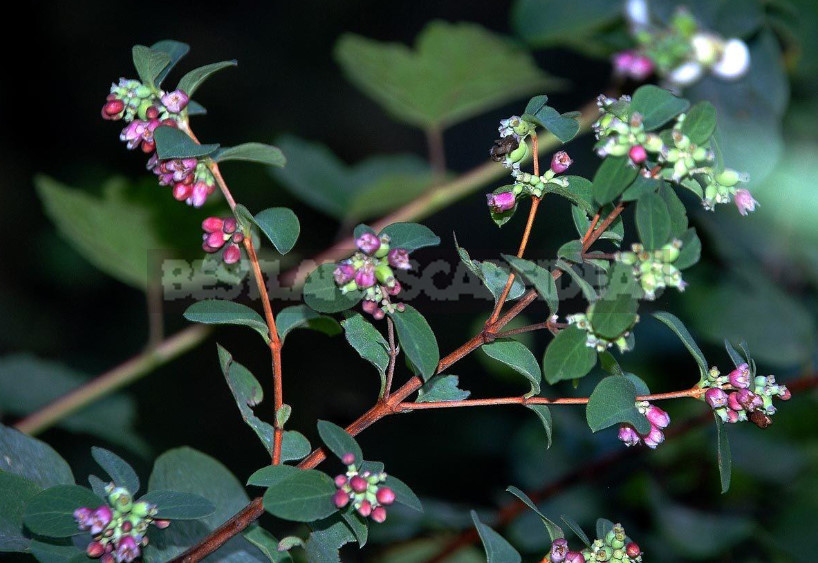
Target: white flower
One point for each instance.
(735, 60)
(707, 48)
(636, 12)
(686, 73)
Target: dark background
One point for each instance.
(56, 306)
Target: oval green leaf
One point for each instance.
(417, 340)
(322, 294)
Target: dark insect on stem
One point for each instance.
(502, 147)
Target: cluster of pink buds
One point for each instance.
(222, 233)
(614, 547)
(740, 396)
(144, 110)
(363, 491)
(633, 64)
(658, 419)
(526, 184)
(119, 528)
(371, 270)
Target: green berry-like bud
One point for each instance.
(519, 153)
(627, 258)
(384, 274)
(142, 91)
(619, 150)
(653, 143)
(701, 154)
(670, 252)
(351, 286)
(120, 498)
(140, 509)
(383, 250)
(617, 545)
(728, 177)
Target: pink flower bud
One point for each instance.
(657, 416)
(214, 241)
(654, 438)
(368, 243)
(379, 314)
(95, 549)
(230, 225)
(181, 191)
(732, 401)
(632, 550)
(100, 519)
(344, 273)
(732, 416)
(358, 484)
(232, 254)
(112, 110)
(502, 202)
(745, 202)
(716, 398)
(365, 509)
(740, 377)
(385, 495)
(784, 394)
(82, 516)
(348, 459)
(152, 113)
(107, 558)
(641, 68)
(560, 162)
(399, 258)
(559, 549)
(199, 194)
(341, 499)
(365, 276)
(212, 224)
(394, 289)
(574, 557)
(638, 154)
(340, 480)
(370, 306)
(126, 526)
(127, 549)
(175, 101)
(749, 400)
(628, 435)
(379, 514)
(623, 61)
(161, 524)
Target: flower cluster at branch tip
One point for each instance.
(741, 395)
(119, 528)
(596, 341)
(220, 233)
(654, 270)
(658, 419)
(669, 155)
(371, 270)
(363, 491)
(681, 52)
(145, 109)
(615, 546)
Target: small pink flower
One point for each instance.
(379, 514)
(365, 276)
(716, 398)
(657, 417)
(732, 402)
(745, 202)
(385, 495)
(340, 480)
(560, 162)
(740, 377)
(502, 202)
(623, 61)
(365, 509)
(641, 68)
(732, 416)
(127, 550)
(344, 273)
(628, 435)
(394, 289)
(749, 400)
(199, 194)
(132, 133)
(348, 459)
(559, 549)
(232, 254)
(638, 154)
(654, 437)
(100, 519)
(399, 258)
(574, 557)
(83, 516)
(341, 499)
(175, 101)
(368, 243)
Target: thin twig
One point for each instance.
(437, 150)
(393, 355)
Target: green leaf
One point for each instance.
(613, 401)
(554, 531)
(587, 289)
(370, 188)
(266, 543)
(221, 312)
(252, 152)
(564, 127)
(32, 459)
(27, 384)
(615, 313)
(410, 236)
(576, 529)
(15, 492)
(442, 388)
(294, 446)
(368, 342)
(456, 71)
(247, 392)
(50, 513)
(579, 192)
(641, 186)
(724, 457)
(544, 414)
(568, 356)
(322, 294)
(301, 316)
(186, 470)
(328, 536)
(195, 108)
(417, 340)
(498, 550)
(542, 279)
(175, 143)
(299, 495)
(120, 472)
(173, 505)
(149, 63)
(700, 123)
(545, 23)
(613, 176)
(496, 277)
(657, 106)
(652, 221)
(691, 249)
(281, 226)
(403, 494)
(175, 51)
(603, 526)
(674, 324)
(339, 441)
(115, 235)
(676, 211)
(191, 81)
(358, 526)
(519, 358)
(57, 551)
